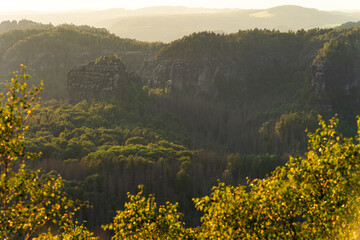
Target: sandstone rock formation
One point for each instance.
(317, 77)
(194, 77)
(105, 77)
(327, 76)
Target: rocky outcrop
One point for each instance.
(336, 80)
(330, 77)
(106, 77)
(317, 77)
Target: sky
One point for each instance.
(73, 5)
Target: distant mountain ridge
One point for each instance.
(170, 23)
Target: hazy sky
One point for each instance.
(61, 5)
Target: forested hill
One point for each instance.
(51, 52)
(6, 26)
(246, 67)
(348, 25)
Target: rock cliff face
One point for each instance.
(106, 77)
(192, 76)
(327, 77)
(240, 78)
(317, 77)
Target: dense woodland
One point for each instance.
(180, 145)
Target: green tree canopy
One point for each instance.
(311, 197)
(28, 198)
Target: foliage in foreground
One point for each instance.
(28, 199)
(311, 197)
(141, 219)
